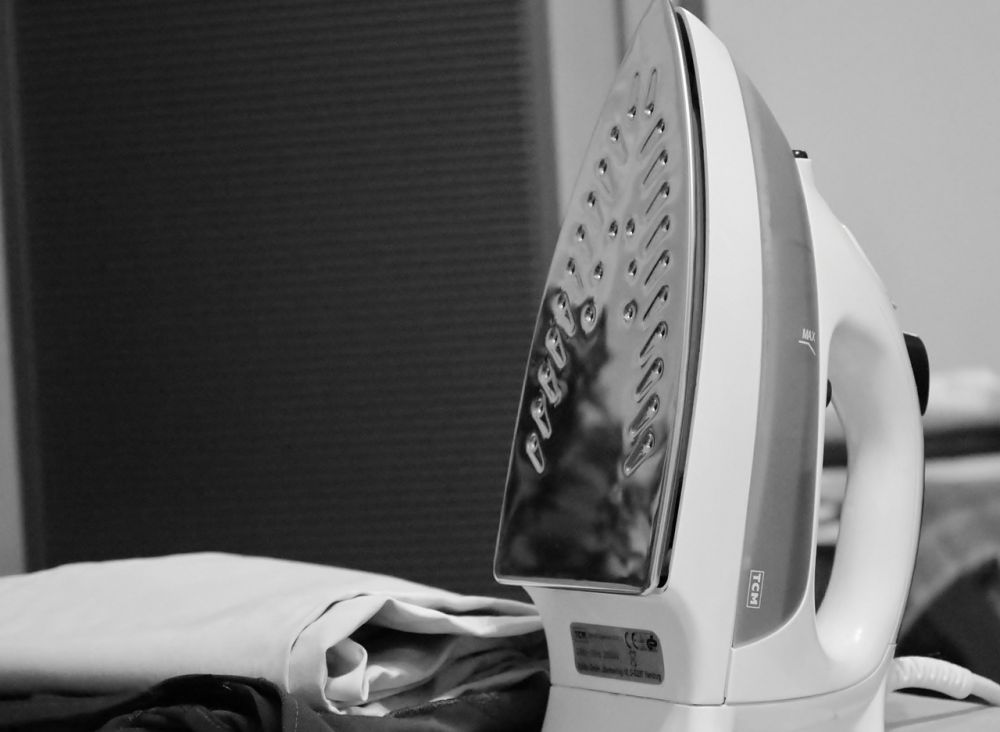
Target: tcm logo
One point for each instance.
(755, 590)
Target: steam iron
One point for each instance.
(662, 495)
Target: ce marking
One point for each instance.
(637, 640)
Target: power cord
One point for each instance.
(933, 674)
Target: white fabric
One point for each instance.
(110, 626)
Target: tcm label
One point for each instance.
(755, 589)
(627, 654)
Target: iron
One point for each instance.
(662, 494)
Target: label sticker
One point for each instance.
(755, 589)
(628, 654)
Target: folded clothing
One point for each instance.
(339, 639)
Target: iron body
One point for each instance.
(663, 486)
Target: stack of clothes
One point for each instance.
(219, 642)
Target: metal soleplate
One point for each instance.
(598, 452)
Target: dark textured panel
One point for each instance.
(279, 268)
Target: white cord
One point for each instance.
(933, 674)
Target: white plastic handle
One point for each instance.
(875, 397)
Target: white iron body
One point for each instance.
(825, 669)
(822, 669)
